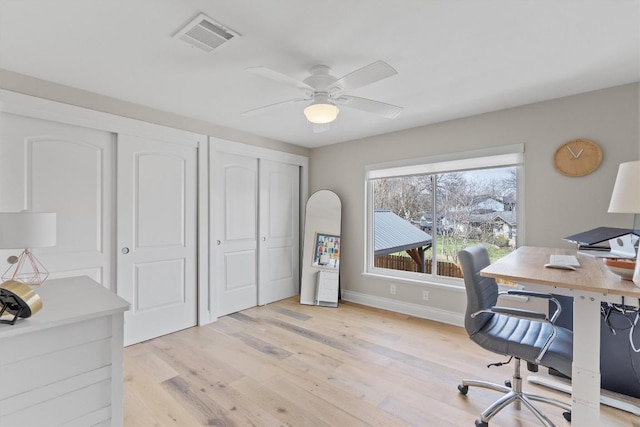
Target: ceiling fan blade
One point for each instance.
(266, 108)
(278, 77)
(370, 106)
(366, 75)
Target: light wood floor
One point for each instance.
(291, 365)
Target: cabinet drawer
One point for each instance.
(64, 409)
(24, 346)
(45, 369)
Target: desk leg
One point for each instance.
(585, 379)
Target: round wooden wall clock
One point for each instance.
(578, 157)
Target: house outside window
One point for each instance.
(420, 213)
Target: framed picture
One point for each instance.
(327, 251)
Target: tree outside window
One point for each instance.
(457, 209)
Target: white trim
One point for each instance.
(368, 226)
(415, 279)
(31, 106)
(417, 310)
(232, 147)
(205, 313)
(520, 236)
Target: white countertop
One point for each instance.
(72, 299)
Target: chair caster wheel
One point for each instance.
(463, 389)
(507, 383)
(480, 423)
(567, 416)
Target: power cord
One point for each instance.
(500, 363)
(630, 314)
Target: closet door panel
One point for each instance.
(157, 236)
(66, 177)
(234, 206)
(148, 295)
(240, 201)
(160, 188)
(281, 264)
(279, 231)
(53, 167)
(240, 272)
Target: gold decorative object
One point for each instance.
(19, 300)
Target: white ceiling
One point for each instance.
(454, 58)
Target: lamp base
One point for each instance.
(26, 269)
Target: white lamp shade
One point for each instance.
(626, 191)
(23, 230)
(321, 110)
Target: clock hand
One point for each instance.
(579, 153)
(572, 153)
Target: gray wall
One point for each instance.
(555, 205)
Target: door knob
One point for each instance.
(125, 250)
(218, 242)
(264, 239)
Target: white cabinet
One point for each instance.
(327, 287)
(64, 365)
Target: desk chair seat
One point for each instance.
(521, 334)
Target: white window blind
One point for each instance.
(479, 159)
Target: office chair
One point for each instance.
(519, 334)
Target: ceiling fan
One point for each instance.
(324, 93)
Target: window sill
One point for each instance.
(434, 284)
(456, 287)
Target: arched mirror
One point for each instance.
(321, 250)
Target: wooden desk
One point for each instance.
(589, 285)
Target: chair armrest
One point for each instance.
(517, 312)
(541, 295)
(526, 293)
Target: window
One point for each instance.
(420, 213)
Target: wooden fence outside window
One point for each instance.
(403, 263)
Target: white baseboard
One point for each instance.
(417, 310)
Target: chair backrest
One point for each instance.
(482, 292)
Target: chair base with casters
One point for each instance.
(513, 394)
(521, 334)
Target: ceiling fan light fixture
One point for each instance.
(321, 112)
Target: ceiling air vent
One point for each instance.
(205, 33)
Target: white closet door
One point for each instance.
(157, 240)
(69, 170)
(234, 206)
(279, 245)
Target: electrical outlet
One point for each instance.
(392, 289)
(425, 295)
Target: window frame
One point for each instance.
(494, 157)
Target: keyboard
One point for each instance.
(571, 260)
